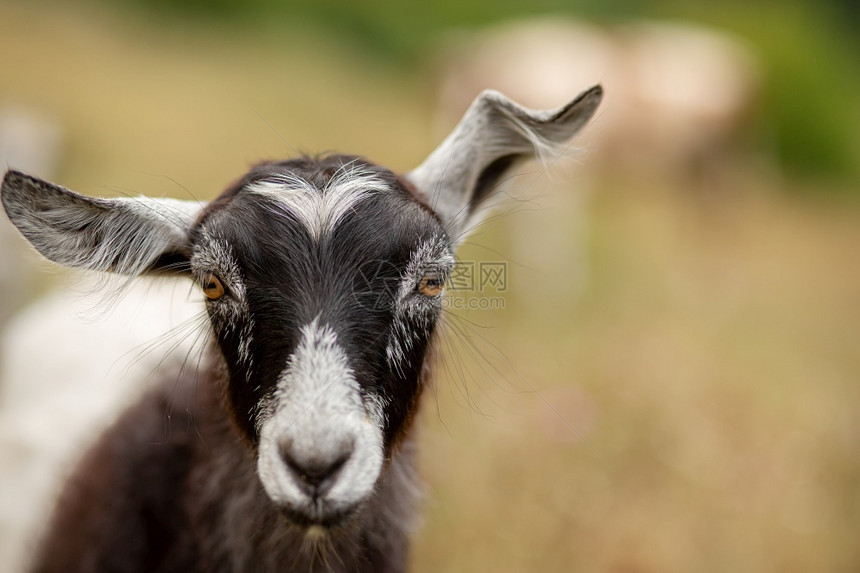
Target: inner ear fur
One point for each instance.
(491, 139)
(123, 235)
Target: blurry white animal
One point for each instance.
(679, 94)
(50, 409)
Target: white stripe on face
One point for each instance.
(317, 415)
(320, 210)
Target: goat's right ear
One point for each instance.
(460, 177)
(129, 236)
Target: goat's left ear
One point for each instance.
(122, 235)
(494, 135)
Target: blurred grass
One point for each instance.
(146, 109)
(704, 345)
(712, 362)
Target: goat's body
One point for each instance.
(171, 487)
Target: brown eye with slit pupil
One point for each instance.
(212, 287)
(431, 286)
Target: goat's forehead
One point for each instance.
(352, 213)
(316, 192)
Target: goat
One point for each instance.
(323, 280)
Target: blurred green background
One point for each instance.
(700, 330)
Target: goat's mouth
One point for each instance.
(318, 520)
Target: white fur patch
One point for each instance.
(317, 414)
(320, 210)
(170, 219)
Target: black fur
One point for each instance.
(347, 279)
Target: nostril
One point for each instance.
(314, 475)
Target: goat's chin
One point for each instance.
(317, 521)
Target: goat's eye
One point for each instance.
(212, 287)
(431, 285)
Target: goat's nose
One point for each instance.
(315, 475)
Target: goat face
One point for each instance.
(323, 280)
(317, 274)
